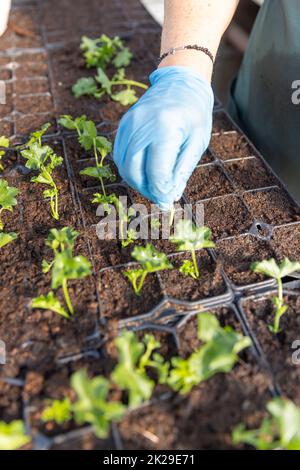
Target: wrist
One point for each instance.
(195, 60)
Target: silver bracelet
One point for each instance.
(194, 47)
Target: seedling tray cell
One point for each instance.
(250, 212)
(277, 349)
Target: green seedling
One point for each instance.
(4, 142)
(218, 354)
(43, 160)
(150, 260)
(13, 435)
(134, 358)
(188, 237)
(103, 51)
(281, 430)
(102, 85)
(64, 267)
(59, 411)
(7, 199)
(92, 405)
(277, 271)
(90, 140)
(127, 237)
(6, 238)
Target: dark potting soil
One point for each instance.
(239, 253)
(207, 158)
(206, 182)
(272, 206)
(286, 242)
(226, 216)
(279, 349)
(123, 302)
(10, 402)
(230, 146)
(186, 288)
(250, 173)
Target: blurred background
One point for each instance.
(232, 47)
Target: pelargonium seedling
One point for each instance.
(188, 237)
(4, 143)
(13, 435)
(89, 139)
(127, 237)
(7, 199)
(102, 85)
(219, 353)
(151, 260)
(135, 357)
(64, 267)
(277, 271)
(59, 411)
(43, 160)
(104, 51)
(280, 430)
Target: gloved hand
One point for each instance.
(161, 139)
(4, 13)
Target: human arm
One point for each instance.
(163, 136)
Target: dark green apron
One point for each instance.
(262, 94)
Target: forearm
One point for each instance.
(201, 22)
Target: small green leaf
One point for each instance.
(66, 267)
(126, 97)
(49, 302)
(12, 435)
(188, 237)
(103, 80)
(7, 195)
(6, 238)
(92, 405)
(122, 58)
(277, 271)
(59, 411)
(150, 258)
(127, 374)
(85, 86)
(188, 269)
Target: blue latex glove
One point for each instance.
(161, 139)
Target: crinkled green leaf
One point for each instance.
(59, 411)
(12, 435)
(188, 237)
(7, 195)
(276, 270)
(92, 405)
(88, 134)
(62, 238)
(37, 135)
(279, 431)
(122, 58)
(49, 302)
(104, 172)
(150, 258)
(85, 86)
(103, 80)
(218, 354)
(66, 267)
(6, 238)
(128, 374)
(126, 97)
